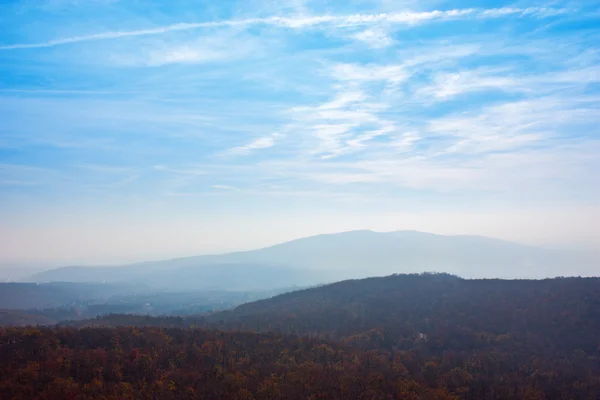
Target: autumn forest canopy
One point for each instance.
(419, 336)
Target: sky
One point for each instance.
(133, 130)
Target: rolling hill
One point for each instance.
(562, 313)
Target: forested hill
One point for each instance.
(406, 336)
(452, 313)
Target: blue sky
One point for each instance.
(134, 129)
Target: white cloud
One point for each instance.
(535, 11)
(185, 55)
(260, 143)
(330, 138)
(480, 150)
(353, 118)
(448, 85)
(406, 141)
(513, 125)
(300, 22)
(343, 99)
(349, 120)
(216, 47)
(434, 57)
(375, 38)
(360, 140)
(526, 174)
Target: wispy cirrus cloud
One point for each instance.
(375, 38)
(446, 85)
(514, 125)
(217, 47)
(363, 73)
(405, 18)
(257, 144)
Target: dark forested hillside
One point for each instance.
(157, 363)
(402, 336)
(542, 333)
(563, 312)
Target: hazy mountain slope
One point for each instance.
(339, 256)
(367, 253)
(15, 272)
(198, 277)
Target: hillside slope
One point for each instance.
(563, 314)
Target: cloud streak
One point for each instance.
(403, 18)
(257, 144)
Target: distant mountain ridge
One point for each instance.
(332, 257)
